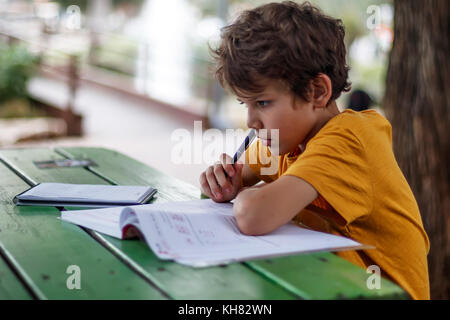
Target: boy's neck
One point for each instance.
(327, 113)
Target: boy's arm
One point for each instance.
(261, 210)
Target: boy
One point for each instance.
(336, 171)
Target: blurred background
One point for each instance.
(126, 74)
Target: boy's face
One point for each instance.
(276, 108)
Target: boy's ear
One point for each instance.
(321, 90)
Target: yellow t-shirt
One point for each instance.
(363, 195)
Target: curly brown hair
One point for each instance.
(285, 41)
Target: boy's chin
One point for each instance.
(278, 149)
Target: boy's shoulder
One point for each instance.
(365, 126)
(356, 119)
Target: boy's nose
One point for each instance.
(253, 121)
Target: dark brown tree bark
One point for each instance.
(416, 103)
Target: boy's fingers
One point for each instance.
(223, 181)
(236, 180)
(205, 186)
(227, 163)
(238, 166)
(212, 182)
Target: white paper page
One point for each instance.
(169, 227)
(284, 238)
(309, 241)
(77, 192)
(103, 220)
(202, 232)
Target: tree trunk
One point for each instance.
(416, 103)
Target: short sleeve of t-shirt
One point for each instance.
(334, 163)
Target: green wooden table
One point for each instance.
(36, 247)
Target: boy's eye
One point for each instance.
(260, 103)
(263, 103)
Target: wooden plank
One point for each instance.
(11, 288)
(341, 279)
(43, 248)
(181, 282)
(306, 276)
(22, 159)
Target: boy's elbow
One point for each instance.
(245, 215)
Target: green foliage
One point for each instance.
(20, 108)
(16, 67)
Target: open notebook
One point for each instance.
(202, 233)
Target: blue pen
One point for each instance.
(244, 146)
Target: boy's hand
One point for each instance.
(219, 186)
